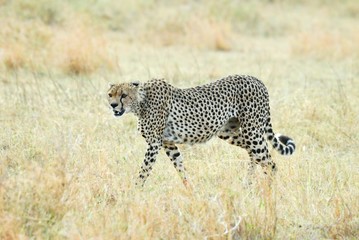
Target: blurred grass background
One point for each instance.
(67, 167)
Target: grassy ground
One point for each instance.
(67, 167)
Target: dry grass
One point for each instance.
(14, 57)
(71, 47)
(77, 50)
(67, 167)
(198, 32)
(327, 44)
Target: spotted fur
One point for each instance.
(234, 108)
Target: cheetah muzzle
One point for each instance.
(118, 113)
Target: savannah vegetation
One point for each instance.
(67, 167)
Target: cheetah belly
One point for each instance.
(180, 136)
(189, 131)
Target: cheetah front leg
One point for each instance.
(177, 160)
(149, 161)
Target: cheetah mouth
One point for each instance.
(118, 113)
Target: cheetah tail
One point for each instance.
(283, 144)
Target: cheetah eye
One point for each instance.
(123, 95)
(110, 95)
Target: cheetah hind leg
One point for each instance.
(232, 133)
(176, 158)
(259, 155)
(257, 149)
(236, 140)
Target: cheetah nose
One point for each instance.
(113, 105)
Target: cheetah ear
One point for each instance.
(135, 83)
(110, 85)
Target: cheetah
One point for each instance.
(234, 108)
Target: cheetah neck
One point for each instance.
(137, 109)
(140, 105)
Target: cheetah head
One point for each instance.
(123, 97)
